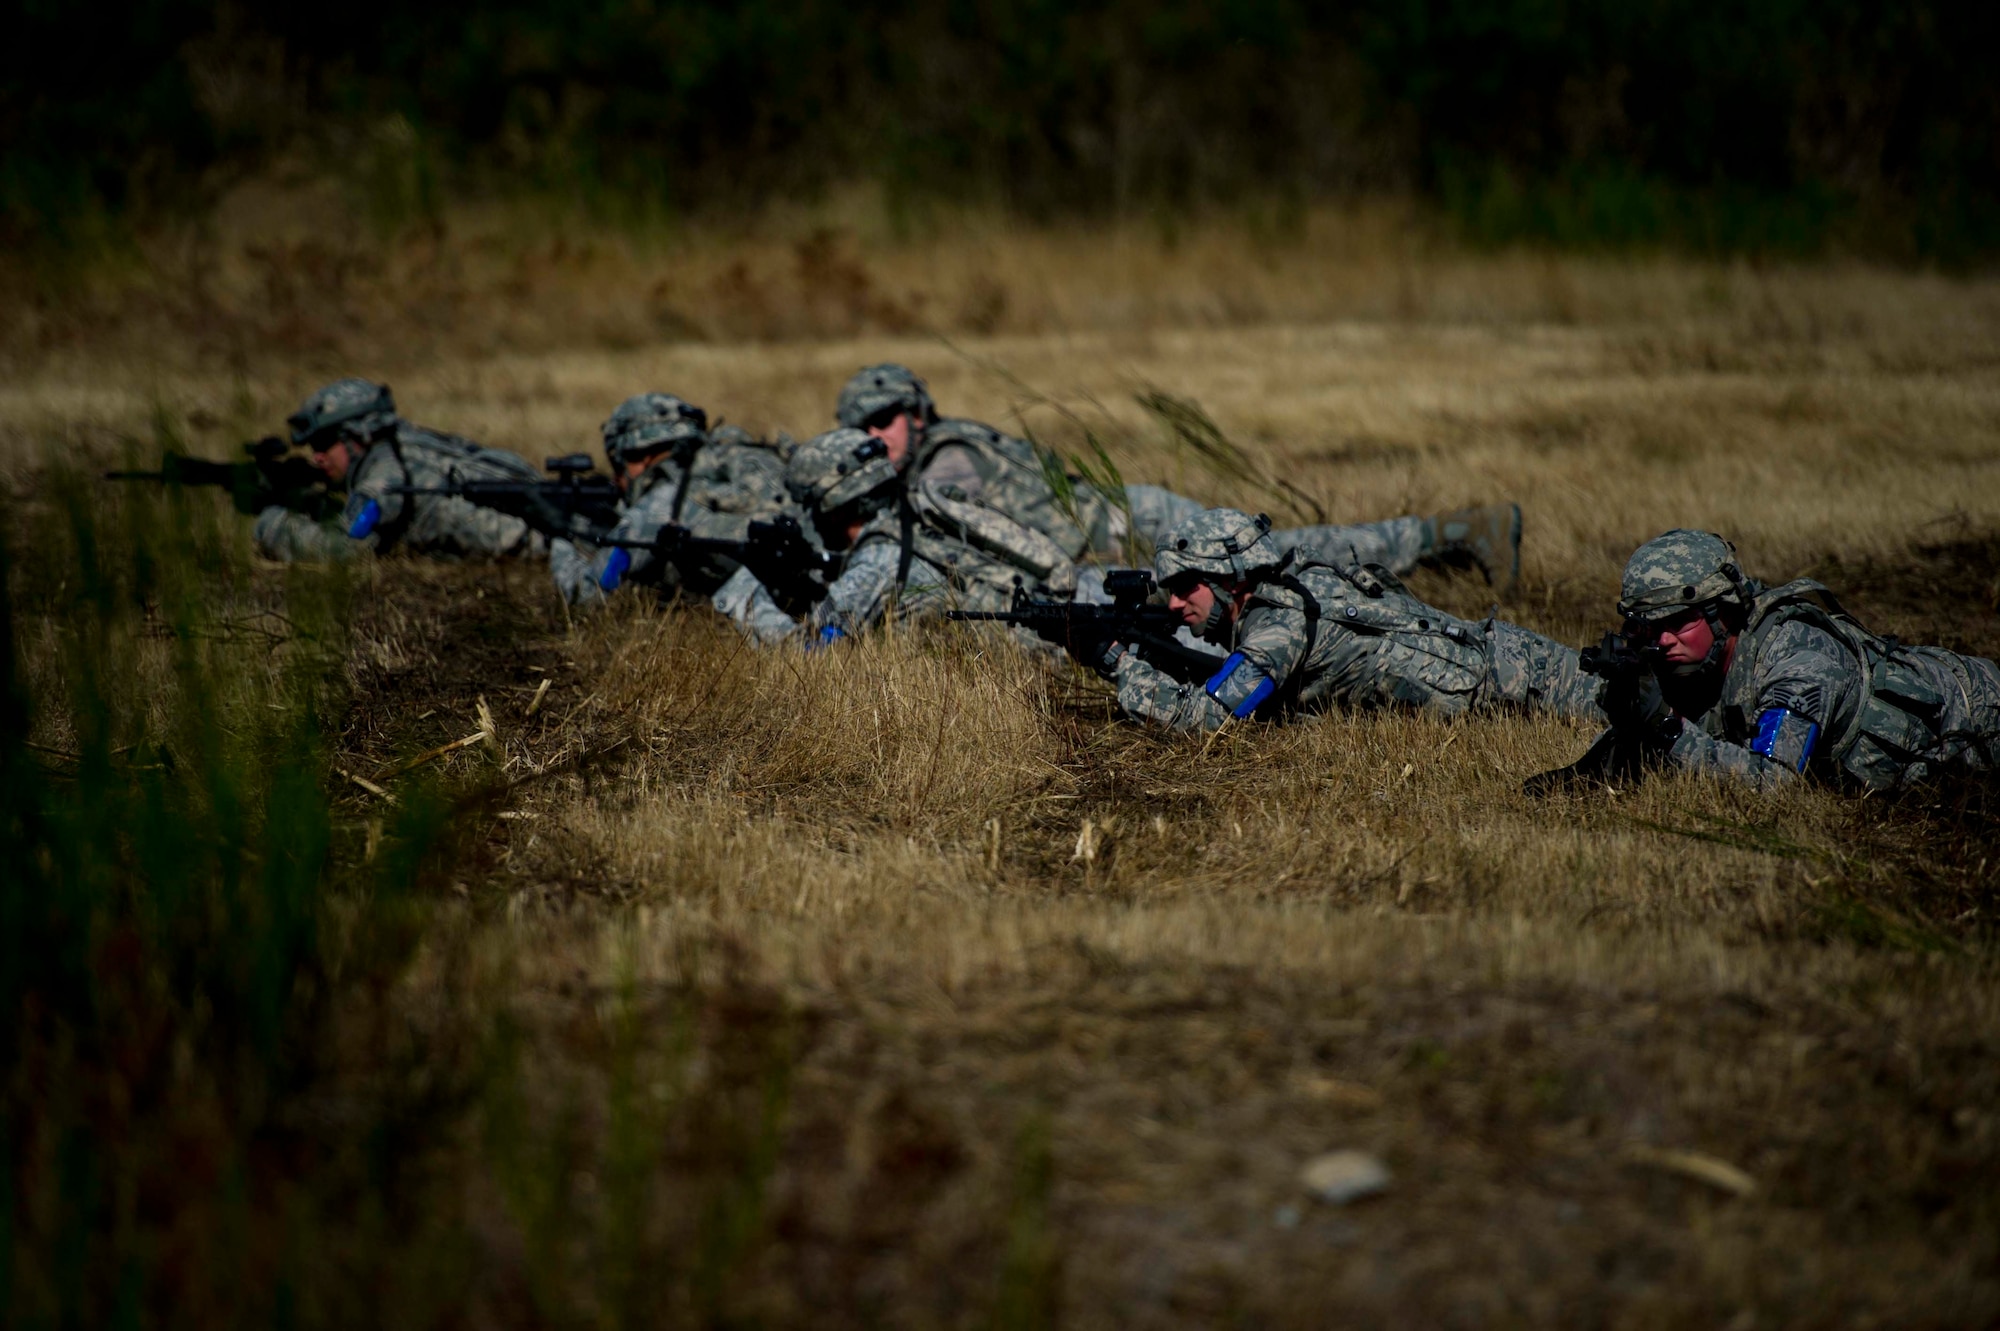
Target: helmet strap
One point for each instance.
(1218, 611)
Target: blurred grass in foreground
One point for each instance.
(221, 1106)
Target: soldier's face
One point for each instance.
(895, 436)
(1194, 604)
(334, 461)
(1687, 640)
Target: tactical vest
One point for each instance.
(980, 551)
(456, 455)
(1022, 482)
(1901, 716)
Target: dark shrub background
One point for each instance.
(1780, 126)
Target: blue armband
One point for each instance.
(365, 521)
(1240, 686)
(614, 568)
(827, 636)
(1785, 737)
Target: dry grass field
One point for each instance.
(905, 986)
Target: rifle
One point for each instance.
(576, 504)
(273, 475)
(1614, 755)
(793, 570)
(1084, 630)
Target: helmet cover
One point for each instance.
(357, 409)
(830, 471)
(1219, 544)
(1678, 572)
(650, 422)
(880, 388)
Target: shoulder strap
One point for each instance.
(389, 534)
(906, 551)
(1309, 606)
(1312, 613)
(686, 464)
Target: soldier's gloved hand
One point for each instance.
(1093, 651)
(1103, 657)
(1637, 708)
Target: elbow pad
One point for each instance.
(365, 521)
(1240, 686)
(1785, 737)
(615, 567)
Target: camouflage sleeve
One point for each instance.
(434, 524)
(443, 525)
(1270, 646)
(641, 521)
(1273, 640)
(1149, 694)
(282, 533)
(863, 592)
(1805, 690)
(1698, 751)
(575, 566)
(744, 602)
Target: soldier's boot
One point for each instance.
(1489, 536)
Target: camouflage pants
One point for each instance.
(1397, 544)
(1976, 746)
(1536, 672)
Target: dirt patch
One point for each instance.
(1943, 593)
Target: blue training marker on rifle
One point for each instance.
(614, 569)
(364, 521)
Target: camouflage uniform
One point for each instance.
(363, 414)
(1806, 688)
(989, 467)
(712, 483)
(1314, 635)
(921, 552)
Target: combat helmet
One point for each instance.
(650, 422)
(1681, 572)
(881, 388)
(830, 471)
(356, 409)
(1220, 544)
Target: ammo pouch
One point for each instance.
(945, 510)
(1372, 580)
(1900, 722)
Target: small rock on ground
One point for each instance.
(1339, 1177)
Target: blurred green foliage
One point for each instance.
(1773, 125)
(218, 1105)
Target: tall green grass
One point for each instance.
(221, 1105)
(174, 929)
